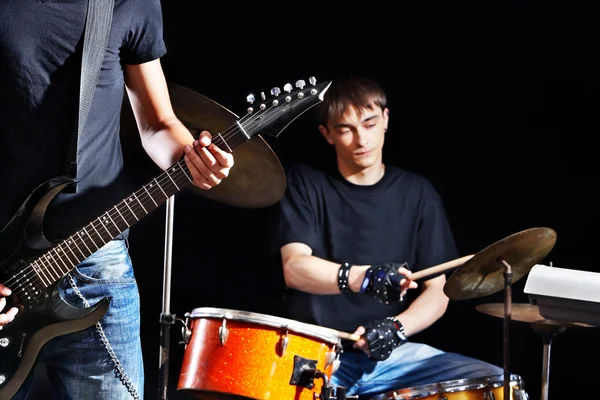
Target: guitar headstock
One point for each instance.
(271, 114)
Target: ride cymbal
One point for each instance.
(256, 179)
(483, 274)
(524, 312)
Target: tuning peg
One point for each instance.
(275, 91)
(312, 80)
(250, 98)
(300, 84)
(288, 87)
(262, 95)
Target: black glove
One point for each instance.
(383, 336)
(383, 282)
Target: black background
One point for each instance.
(496, 102)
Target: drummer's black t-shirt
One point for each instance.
(399, 219)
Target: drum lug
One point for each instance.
(223, 332)
(520, 394)
(283, 343)
(329, 359)
(488, 396)
(186, 333)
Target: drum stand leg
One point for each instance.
(507, 317)
(547, 332)
(166, 318)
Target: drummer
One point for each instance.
(352, 233)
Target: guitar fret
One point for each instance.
(140, 203)
(121, 215)
(226, 144)
(105, 228)
(167, 172)
(113, 222)
(161, 189)
(81, 256)
(99, 236)
(61, 260)
(37, 270)
(66, 254)
(149, 195)
(85, 244)
(131, 211)
(90, 238)
(50, 265)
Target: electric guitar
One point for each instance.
(31, 266)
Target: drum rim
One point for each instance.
(478, 383)
(268, 320)
(416, 392)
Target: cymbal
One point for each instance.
(256, 179)
(523, 312)
(483, 274)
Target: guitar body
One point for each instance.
(21, 341)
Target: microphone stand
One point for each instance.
(166, 318)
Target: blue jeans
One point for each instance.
(79, 364)
(409, 365)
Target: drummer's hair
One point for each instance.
(358, 92)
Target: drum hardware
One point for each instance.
(546, 328)
(496, 268)
(223, 332)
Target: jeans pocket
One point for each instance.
(110, 264)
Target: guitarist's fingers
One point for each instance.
(4, 291)
(10, 314)
(223, 158)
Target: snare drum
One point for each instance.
(234, 354)
(485, 388)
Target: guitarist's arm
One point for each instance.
(5, 318)
(164, 137)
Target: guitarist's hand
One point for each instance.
(5, 318)
(207, 163)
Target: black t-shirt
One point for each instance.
(40, 62)
(401, 218)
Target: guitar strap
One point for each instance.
(97, 28)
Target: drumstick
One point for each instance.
(440, 267)
(417, 275)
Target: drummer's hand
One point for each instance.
(207, 163)
(7, 317)
(406, 283)
(361, 343)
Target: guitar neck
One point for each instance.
(63, 257)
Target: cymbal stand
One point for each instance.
(166, 318)
(547, 332)
(507, 317)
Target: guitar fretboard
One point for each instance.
(64, 256)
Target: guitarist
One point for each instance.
(40, 60)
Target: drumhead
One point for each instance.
(268, 320)
(415, 392)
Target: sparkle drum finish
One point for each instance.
(234, 354)
(484, 388)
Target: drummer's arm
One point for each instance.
(308, 273)
(164, 137)
(427, 308)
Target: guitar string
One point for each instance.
(46, 260)
(26, 281)
(227, 134)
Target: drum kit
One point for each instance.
(232, 354)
